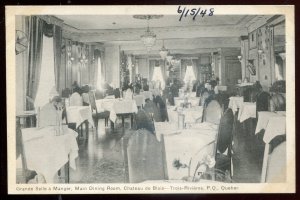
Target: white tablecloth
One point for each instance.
(178, 101)
(193, 100)
(147, 95)
(235, 103)
(46, 153)
(139, 100)
(276, 126)
(78, 114)
(264, 117)
(190, 143)
(246, 111)
(192, 114)
(116, 106)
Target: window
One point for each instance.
(158, 77)
(47, 76)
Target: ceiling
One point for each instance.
(128, 22)
(202, 35)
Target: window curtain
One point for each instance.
(195, 68)
(34, 60)
(151, 69)
(97, 56)
(59, 70)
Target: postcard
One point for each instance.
(150, 99)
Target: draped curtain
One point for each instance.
(151, 69)
(59, 70)
(195, 67)
(34, 61)
(97, 55)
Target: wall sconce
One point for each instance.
(240, 57)
(260, 51)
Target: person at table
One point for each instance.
(48, 113)
(160, 103)
(76, 88)
(109, 89)
(117, 93)
(146, 86)
(128, 93)
(152, 110)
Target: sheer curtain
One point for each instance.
(47, 77)
(99, 74)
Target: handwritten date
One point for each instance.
(194, 12)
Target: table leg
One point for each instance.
(112, 125)
(265, 162)
(131, 124)
(87, 129)
(123, 121)
(67, 172)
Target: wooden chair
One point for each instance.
(277, 103)
(224, 142)
(212, 113)
(150, 107)
(97, 115)
(143, 157)
(144, 121)
(262, 102)
(76, 99)
(203, 98)
(66, 93)
(274, 167)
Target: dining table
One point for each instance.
(235, 102)
(46, 151)
(247, 110)
(117, 107)
(79, 114)
(274, 124)
(185, 145)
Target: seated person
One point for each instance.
(47, 116)
(117, 93)
(160, 102)
(76, 88)
(144, 121)
(152, 109)
(128, 94)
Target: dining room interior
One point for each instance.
(150, 99)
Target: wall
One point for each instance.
(143, 67)
(112, 64)
(21, 68)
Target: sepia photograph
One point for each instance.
(150, 99)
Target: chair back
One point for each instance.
(150, 107)
(66, 93)
(203, 98)
(99, 94)
(277, 103)
(262, 101)
(85, 98)
(92, 101)
(47, 116)
(76, 99)
(143, 158)
(212, 113)
(85, 88)
(225, 133)
(144, 121)
(276, 167)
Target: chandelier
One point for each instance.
(163, 52)
(149, 37)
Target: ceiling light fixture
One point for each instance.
(149, 38)
(163, 51)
